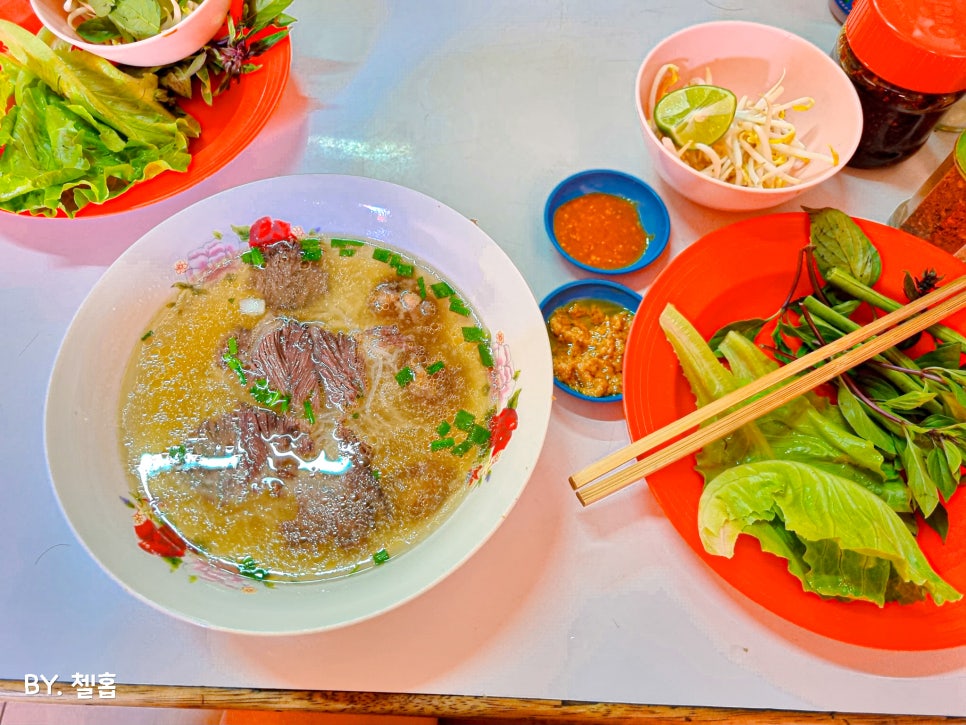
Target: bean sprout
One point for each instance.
(172, 11)
(760, 149)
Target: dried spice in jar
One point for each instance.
(937, 211)
(907, 61)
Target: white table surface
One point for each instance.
(485, 106)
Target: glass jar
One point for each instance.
(907, 61)
(937, 211)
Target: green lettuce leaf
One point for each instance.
(854, 544)
(807, 429)
(76, 130)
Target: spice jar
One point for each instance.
(907, 61)
(937, 211)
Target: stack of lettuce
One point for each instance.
(75, 129)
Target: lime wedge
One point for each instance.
(699, 114)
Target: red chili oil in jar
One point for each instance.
(937, 211)
(907, 61)
(601, 230)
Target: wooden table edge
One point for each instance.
(462, 708)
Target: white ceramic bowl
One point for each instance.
(81, 429)
(749, 58)
(169, 46)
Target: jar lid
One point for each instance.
(919, 46)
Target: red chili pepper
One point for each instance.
(265, 231)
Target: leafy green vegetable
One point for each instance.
(839, 243)
(222, 62)
(852, 543)
(75, 130)
(894, 431)
(126, 21)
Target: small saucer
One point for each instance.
(589, 289)
(651, 209)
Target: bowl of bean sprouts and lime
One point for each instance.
(742, 116)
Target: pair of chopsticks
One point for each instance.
(593, 482)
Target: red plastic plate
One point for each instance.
(743, 271)
(227, 126)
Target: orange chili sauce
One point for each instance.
(601, 230)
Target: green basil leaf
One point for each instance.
(917, 476)
(860, 421)
(839, 242)
(746, 328)
(140, 19)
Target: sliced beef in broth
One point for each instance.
(342, 510)
(286, 281)
(250, 432)
(339, 365)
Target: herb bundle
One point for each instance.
(836, 484)
(223, 61)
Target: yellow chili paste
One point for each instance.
(587, 341)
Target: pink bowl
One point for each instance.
(749, 58)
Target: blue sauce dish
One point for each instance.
(651, 212)
(604, 291)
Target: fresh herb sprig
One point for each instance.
(912, 409)
(223, 61)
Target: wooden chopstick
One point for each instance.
(590, 490)
(776, 377)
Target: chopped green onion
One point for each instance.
(462, 448)
(441, 289)
(381, 556)
(458, 306)
(178, 453)
(473, 334)
(479, 435)
(343, 243)
(441, 443)
(404, 269)
(253, 257)
(421, 284)
(381, 255)
(486, 355)
(268, 396)
(435, 367)
(311, 249)
(146, 335)
(235, 365)
(376, 474)
(347, 252)
(443, 428)
(309, 413)
(464, 420)
(405, 376)
(233, 345)
(249, 568)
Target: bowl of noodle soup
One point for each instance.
(302, 405)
